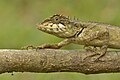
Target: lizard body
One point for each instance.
(80, 32)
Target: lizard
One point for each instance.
(79, 32)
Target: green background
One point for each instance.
(17, 29)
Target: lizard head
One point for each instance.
(60, 26)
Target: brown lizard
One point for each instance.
(86, 33)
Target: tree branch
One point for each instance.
(50, 60)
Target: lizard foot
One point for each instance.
(28, 47)
(97, 56)
(97, 53)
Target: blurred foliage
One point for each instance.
(17, 28)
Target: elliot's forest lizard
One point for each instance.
(95, 34)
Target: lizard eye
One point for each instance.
(56, 19)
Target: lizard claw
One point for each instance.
(28, 47)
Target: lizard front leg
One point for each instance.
(97, 35)
(52, 46)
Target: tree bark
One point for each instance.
(51, 60)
